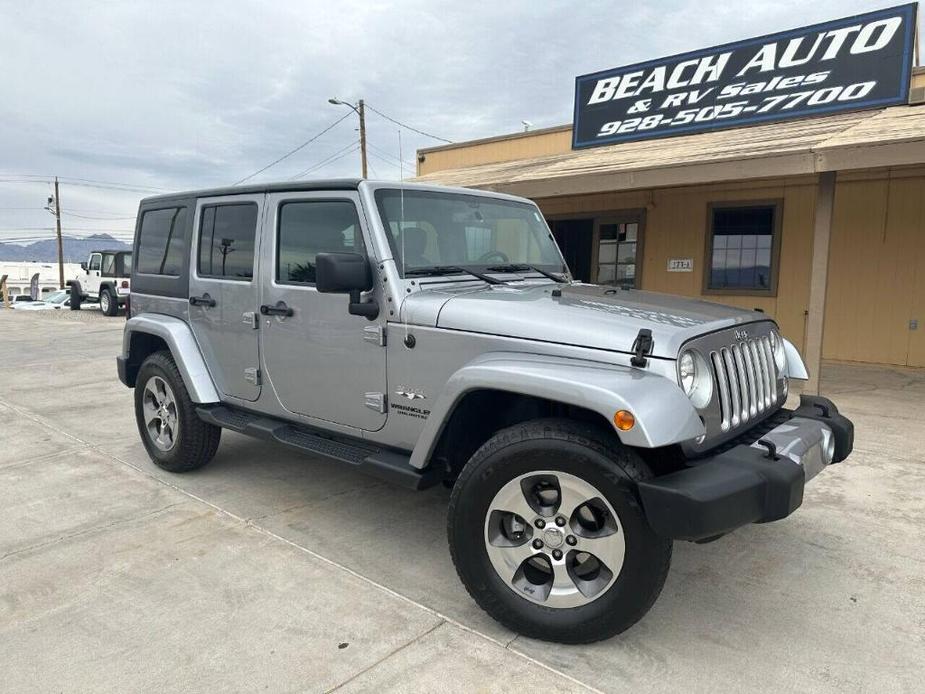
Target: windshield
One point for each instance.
(432, 229)
(58, 297)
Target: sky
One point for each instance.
(130, 98)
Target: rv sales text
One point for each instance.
(777, 55)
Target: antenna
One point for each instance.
(401, 223)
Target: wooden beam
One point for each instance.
(822, 234)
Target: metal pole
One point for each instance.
(361, 111)
(60, 241)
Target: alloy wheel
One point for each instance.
(162, 421)
(554, 539)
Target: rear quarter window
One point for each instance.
(162, 242)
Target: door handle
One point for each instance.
(279, 310)
(204, 300)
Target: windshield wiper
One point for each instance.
(433, 270)
(521, 268)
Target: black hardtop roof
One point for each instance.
(114, 251)
(287, 186)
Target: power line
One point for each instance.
(384, 153)
(330, 157)
(408, 127)
(101, 219)
(73, 180)
(330, 160)
(293, 151)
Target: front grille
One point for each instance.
(746, 379)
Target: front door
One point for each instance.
(91, 285)
(223, 291)
(321, 361)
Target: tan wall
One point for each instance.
(877, 271)
(508, 148)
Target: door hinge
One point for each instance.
(251, 318)
(376, 401)
(374, 334)
(252, 375)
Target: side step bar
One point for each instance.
(368, 457)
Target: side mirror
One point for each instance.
(83, 266)
(346, 273)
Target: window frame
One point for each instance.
(776, 232)
(198, 246)
(277, 282)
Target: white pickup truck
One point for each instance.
(104, 277)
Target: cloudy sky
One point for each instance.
(173, 95)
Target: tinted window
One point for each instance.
(742, 240)
(161, 243)
(109, 265)
(226, 241)
(309, 228)
(95, 261)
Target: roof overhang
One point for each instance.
(863, 140)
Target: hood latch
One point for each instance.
(642, 346)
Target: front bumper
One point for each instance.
(753, 482)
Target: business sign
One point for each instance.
(845, 65)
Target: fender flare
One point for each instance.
(664, 415)
(796, 368)
(183, 347)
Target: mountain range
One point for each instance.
(75, 249)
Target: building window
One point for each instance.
(161, 241)
(309, 228)
(742, 248)
(226, 241)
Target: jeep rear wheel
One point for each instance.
(548, 536)
(176, 439)
(108, 303)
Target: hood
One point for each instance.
(586, 315)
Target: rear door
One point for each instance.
(223, 291)
(322, 362)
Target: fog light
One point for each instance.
(624, 420)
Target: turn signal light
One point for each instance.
(624, 420)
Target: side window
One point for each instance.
(309, 228)
(742, 242)
(226, 241)
(161, 241)
(95, 261)
(109, 265)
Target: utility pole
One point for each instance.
(56, 211)
(360, 110)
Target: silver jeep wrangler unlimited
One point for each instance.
(582, 428)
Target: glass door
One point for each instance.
(619, 242)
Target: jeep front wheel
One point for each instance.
(108, 303)
(176, 439)
(548, 536)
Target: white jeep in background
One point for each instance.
(106, 278)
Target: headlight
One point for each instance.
(695, 378)
(777, 349)
(687, 370)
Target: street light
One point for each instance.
(361, 112)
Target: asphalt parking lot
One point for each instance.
(272, 571)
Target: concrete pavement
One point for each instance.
(272, 571)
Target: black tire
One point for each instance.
(196, 441)
(75, 297)
(597, 458)
(109, 304)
